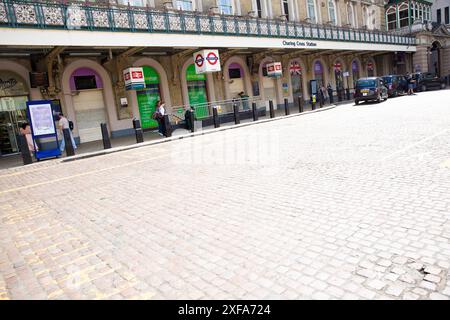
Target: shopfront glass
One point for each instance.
(13, 99)
(197, 93)
(296, 79)
(355, 71)
(148, 98)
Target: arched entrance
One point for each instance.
(339, 79)
(434, 63)
(269, 84)
(148, 97)
(197, 92)
(88, 103)
(370, 68)
(296, 73)
(237, 82)
(355, 71)
(319, 73)
(13, 98)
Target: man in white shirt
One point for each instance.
(160, 112)
(63, 123)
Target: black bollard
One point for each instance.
(138, 131)
(167, 126)
(236, 113)
(286, 107)
(216, 119)
(320, 101)
(192, 120)
(348, 93)
(69, 146)
(300, 104)
(254, 111)
(272, 112)
(23, 147)
(105, 136)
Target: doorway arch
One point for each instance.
(434, 63)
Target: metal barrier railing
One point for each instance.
(204, 110)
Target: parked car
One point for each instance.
(369, 89)
(395, 84)
(427, 80)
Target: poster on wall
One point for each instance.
(207, 61)
(147, 104)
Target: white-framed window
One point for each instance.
(351, 19)
(263, 8)
(312, 12)
(391, 18)
(403, 15)
(134, 3)
(185, 5)
(332, 12)
(225, 6)
(285, 8)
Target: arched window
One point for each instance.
(403, 15)
(391, 17)
(332, 12)
(318, 73)
(351, 15)
(312, 11)
(365, 16)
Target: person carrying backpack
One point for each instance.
(64, 123)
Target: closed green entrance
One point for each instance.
(198, 98)
(148, 97)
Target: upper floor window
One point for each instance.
(403, 15)
(185, 5)
(438, 16)
(351, 15)
(285, 6)
(263, 8)
(133, 3)
(312, 11)
(391, 17)
(225, 6)
(446, 15)
(332, 12)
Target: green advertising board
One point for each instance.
(147, 98)
(198, 97)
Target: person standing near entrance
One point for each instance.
(63, 123)
(159, 116)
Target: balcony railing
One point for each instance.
(72, 16)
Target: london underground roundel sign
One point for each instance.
(199, 60)
(207, 60)
(212, 58)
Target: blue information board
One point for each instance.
(42, 125)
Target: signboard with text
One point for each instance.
(207, 61)
(42, 124)
(274, 69)
(134, 78)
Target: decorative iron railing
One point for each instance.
(83, 16)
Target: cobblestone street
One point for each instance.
(348, 203)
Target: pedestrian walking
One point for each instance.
(25, 131)
(63, 123)
(411, 82)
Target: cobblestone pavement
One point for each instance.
(350, 203)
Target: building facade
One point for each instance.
(74, 53)
(429, 22)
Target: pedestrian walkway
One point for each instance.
(89, 147)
